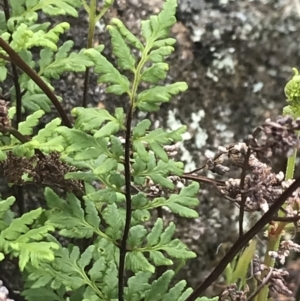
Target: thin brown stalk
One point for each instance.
(19, 62)
(123, 248)
(19, 189)
(242, 241)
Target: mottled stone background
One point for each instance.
(236, 57)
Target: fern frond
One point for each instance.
(36, 101)
(69, 217)
(118, 83)
(25, 38)
(26, 243)
(149, 100)
(6, 215)
(147, 165)
(179, 203)
(158, 242)
(53, 66)
(75, 270)
(158, 26)
(25, 11)
(139, 288)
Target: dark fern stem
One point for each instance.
(243, 240)
(19, 189)
(86, 87)
(18, 61)
(89, 45)
(123, 249)
(160, 269)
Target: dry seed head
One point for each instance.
(4, 119)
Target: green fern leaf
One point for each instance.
(141, 128)
(111, 282)
(178, 249)
(153, 139)
(106, 166)
(35, 253)
(179, 203)
(116, 147)
(114, 220)
(111, 75)
(28, 84)
(185, 294)
(159, 55)
(159, 259)
(158, 242)
(48, 132)
(155, 73)
(157, 171)
(6, 215)
(137, 286)
(140, 148)
(25, 38)
(159, 287)
(165, 18)
(35, 234)
(175, 292)
(86, 257)
(64, 7)
(126, 60)
(160, 94)
(108, 129)
(154, 236)
(163, 137)
(56, 144)
(72, 137)
(34, 102)
(133, 40)
(158, 26)
(159, 151)
(139, 200)
(51, 7)
(146, 29)
(141, 215)
(53, 66)
(3, 27)
(47, 292)
(20, 225)
(137, 262)
(96, 272)
(69, 217)
(68, 266)
(5, 206)
(88, 119)
(136, 236)
(161, 180)
(106, 196)
(92, 216)
(26, 127)
(88, 148)
(3, 73)
(18, 239)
